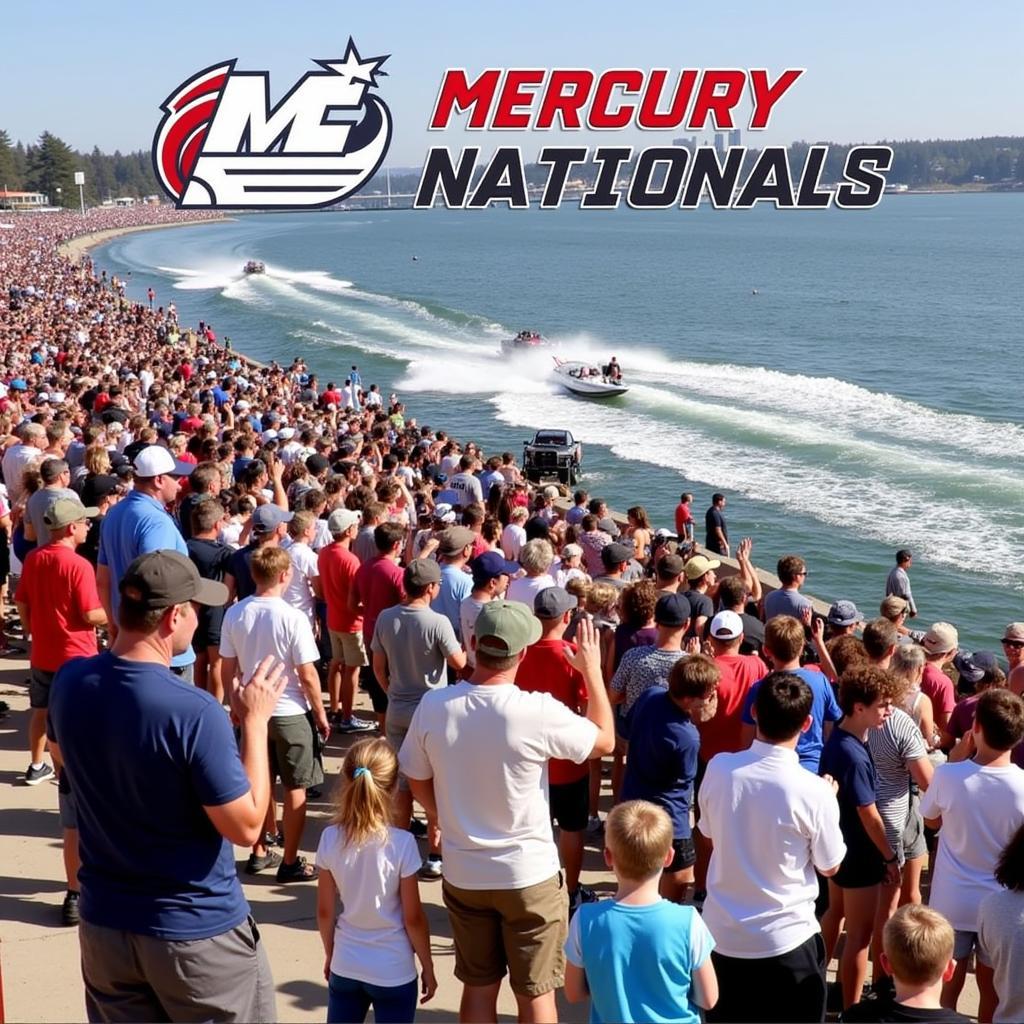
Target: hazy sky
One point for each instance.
(95, 74)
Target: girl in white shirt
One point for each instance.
(372, 867)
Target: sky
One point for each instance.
(96, 75)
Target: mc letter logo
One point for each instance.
(221, 145)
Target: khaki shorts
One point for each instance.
(348, 648)
(293, 752)
(518, 930)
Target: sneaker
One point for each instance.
(69, 909)
(354, 724)
(33, 776)
(418, 828)
(298, 871)
(595, 825)
(431, 868)
(580, 896)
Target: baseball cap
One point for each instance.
(893, 606)
(941, 639)
(65, 511)
(454, 539)
(672, 610)
(490, 565)
(726, 626)
(19, 385)
(1014, 631)
(844, 613)
(160, 579)
(553, 602)
(317, 463)
(664, 534)
(698, 565)
(421, 572)
(342, 519)
(269, 517)
(670, 565)
(974, 667)
(444, 513)
(270, 435)
(572, 551)
(155, 460)
(286, 433)
(615, 553)
(504, 628)
(98, 487)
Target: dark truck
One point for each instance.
(553, 453)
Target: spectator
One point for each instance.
(940, 645)
(454, 551)
(701, 581)
(684, 517)
(491, 574)
(717, 539)
(897, 583)
(788, 600)
(1001, 932)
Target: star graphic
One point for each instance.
(354, 68)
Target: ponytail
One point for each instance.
(369, 774)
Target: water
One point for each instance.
(863, 399)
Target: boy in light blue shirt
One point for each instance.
(639, 957)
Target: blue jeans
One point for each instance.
(349, 1001)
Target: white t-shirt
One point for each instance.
(981, 808)
(513, 538)
(487, 750)
(305, 569)
(469, 612)
(525, 588)
(259, 627)
(370, 941)
(772, 822)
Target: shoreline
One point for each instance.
(77, 247)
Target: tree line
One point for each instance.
(49, 164)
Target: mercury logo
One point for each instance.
(221, 145)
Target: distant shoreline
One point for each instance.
(76, 248)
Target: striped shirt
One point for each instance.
(898, 742)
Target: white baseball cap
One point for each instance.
(286, 433)
(158, 461)
(342, 519)
(726, 626)
(269, 435)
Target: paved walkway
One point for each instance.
(39, 958)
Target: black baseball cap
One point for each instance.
(161, 579)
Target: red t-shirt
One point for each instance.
(545, 670)
(937, 686)
(723, 734)
(338, 568)
(59, 587)
(378, 584)
(683, 516)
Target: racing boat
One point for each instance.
(254, 267)
(584, 379)
(524, 341)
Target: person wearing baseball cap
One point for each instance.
(338, 567)
(479, 752)
(454, 550)
(843, 618)
(491, 575)
(269, 528)
(670, 571)
(146, 757)
(701, 580)
(940, 644)
(138, 524)
(415, 650)
(1013, 645)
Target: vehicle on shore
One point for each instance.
(590, 381)
(553, 453)
(524, 341)
(255, 267)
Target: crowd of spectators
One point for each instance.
(212, 557)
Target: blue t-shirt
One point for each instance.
(785, 602)
(456, 586)
(824, 708)
(135, 526)
(639, 960)
(849, 762)
(144, 754)
(662, 764)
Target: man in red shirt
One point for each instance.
(546, 669)
(338, 568)
(684, 518)
(60, 607)
(376, 586)
(940, 645)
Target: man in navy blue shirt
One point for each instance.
(161, 793)
(663, 748)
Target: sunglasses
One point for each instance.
(1013, 643)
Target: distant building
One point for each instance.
(22, 200)
(721, 142)
(688, 143)
(734, 137)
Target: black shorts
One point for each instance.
(570, 804)
(39, 684)
(684, 855)
(860, 870)
(378, 698)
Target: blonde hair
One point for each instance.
(300, 523)
(919, 943)
(267, 564)
(639, 836)
(602, 597)
(368, 774)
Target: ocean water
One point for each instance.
(849, 380)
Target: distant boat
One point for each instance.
(584, 379)
(255, 267)
(524, 341)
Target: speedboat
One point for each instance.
(524, 341)
(584, 379)
(255, 267)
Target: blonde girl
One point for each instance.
(371, 866)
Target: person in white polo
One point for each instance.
(771, 823)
